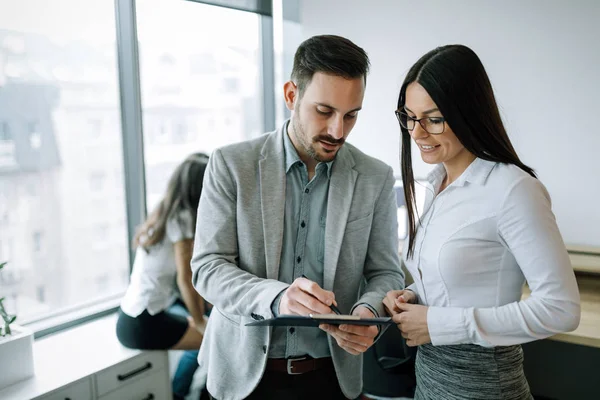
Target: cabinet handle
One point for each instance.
(135, 372)
(149, 397)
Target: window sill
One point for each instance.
(60, 322)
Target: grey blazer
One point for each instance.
(237, 250)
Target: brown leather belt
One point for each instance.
(300, 365)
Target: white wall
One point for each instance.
(543, 58)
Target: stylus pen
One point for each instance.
(332, 306)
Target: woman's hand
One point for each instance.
(199, 326)
(412, 322)
(396, 297)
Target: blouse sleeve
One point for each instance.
(180, 227)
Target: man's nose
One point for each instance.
(336, 128)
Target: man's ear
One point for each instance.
(290, 94)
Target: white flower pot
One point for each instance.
(16, 356)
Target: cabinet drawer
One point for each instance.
(81, 390)
(131, 371)
(153, 387)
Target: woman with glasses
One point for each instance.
(487, 228)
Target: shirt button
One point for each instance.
(306, 190)
(298, 259)
(292, 330)
(303, 224)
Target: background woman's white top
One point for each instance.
(153, 285)
(478, 241)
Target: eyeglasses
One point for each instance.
(431, 125)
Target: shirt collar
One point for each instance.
(477, 173)
(292, 157)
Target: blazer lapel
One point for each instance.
(272, 196)
(341, 187)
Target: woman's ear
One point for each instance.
(290, 94)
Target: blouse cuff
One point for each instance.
(447, 325)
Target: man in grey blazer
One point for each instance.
(291, 223)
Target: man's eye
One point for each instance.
(322, 112)
(352, 115)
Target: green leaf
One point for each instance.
(11, 319)
(3, 264)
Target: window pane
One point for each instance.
(199, 81)
(62, 206)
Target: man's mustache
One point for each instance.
(329, 139)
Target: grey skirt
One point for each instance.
(470, 372)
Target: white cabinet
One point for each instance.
(130, 372)
(81, 390)
(152, 387)
(142, 377)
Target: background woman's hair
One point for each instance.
(183, 194)
(456, 80)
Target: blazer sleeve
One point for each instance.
(215, 272)
(382, 270)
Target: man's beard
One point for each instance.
(309, 147)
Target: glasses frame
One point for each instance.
(398, 115)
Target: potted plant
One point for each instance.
(16, 344)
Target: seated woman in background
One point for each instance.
(161, 309)
(487, 227)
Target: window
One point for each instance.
(63, 191)
(94, 128)
(4, 132)
(101, 239)
(5, 249)
(58, 76)
(41, 294)
(37, 242)
(7, 146)
(4, 214)
(196, 71)
(97, 181)
(35, 138)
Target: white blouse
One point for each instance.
(153, 284)
(479, 240)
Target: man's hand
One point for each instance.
(394, 298)
(305, 297)
(355, 339)
(412, 322)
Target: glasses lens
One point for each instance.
(434, 126)
(404, 120)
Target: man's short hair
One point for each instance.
(329, 54)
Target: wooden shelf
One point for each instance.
(588, 332)
(585, 258)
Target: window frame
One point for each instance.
(133, 139)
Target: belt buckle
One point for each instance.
(290, 366)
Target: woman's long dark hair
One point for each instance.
(456, 81)
(183, 193)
